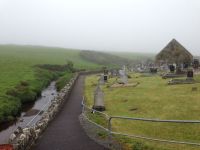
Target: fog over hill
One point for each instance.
(116, 25)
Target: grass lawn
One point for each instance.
(152, 98)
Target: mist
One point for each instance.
(107, 25)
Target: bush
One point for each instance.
(9, 109)
(61, 82)
(28, 91)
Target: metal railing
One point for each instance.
(43, 109)
(111, 132)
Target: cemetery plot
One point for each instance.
(152, 98)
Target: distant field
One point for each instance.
(152, 98)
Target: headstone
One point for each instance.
(185, 65)
(123, 77)
(196, 64)
(164, 67)
(105, 77)
(98, 99)
(153, 70)
(190, 74)
(172, 68)
(121, 72)
(101, 80)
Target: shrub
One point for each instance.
(9, 109)
(61, 82)
(28, 91)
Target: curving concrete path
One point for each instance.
(65, 131)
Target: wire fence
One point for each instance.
(104, 122)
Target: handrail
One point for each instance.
(155, 120)
(93, 110)
(158, 140)
(44, 106)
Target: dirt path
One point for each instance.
(65, 132)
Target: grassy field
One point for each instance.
(152, 98)
(17, 63)
(21, 81)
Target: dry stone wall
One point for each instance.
(24, 138)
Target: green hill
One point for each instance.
(135, 56)
(21, 81)
(17, 67)
(103, 58)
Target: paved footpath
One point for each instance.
(65, 131)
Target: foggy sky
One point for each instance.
(117, 25)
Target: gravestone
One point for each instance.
(172, 68)
(185, 65)
(153, 70)
(98, 99)
(190, 74)
(101, 80)
(122, 73)
(196, 63)
(123, 77)
(105, 77)
(164, 67)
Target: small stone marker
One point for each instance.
(190, 74)
(196, 64)
(172, 68)
(153, 70)
(99, 99)
(123, 77)
(101, 80)
(105, 77)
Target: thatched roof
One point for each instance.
(174, 52)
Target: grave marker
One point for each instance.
(99, 99)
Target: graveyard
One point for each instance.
(151, 98)
(168, 90)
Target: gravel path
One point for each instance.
(65, 131)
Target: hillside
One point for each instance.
(103, 58)
(22, 80)
(16, 62)
(135, 56)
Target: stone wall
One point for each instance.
(24, 138)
